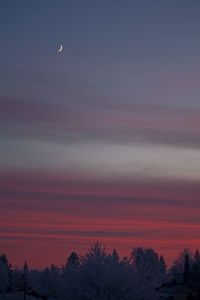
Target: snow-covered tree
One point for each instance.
(162, 265)
(4, 273)
(26, 275)
(71, 278)
(195, 268)
(186, 272)
(112, 276)
(177, 269)
(147, 276)
(94, 276)
(73, 259)
(51, 281)
(92, 273)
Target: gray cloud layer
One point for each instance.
(120, 123)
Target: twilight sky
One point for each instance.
(101, 141)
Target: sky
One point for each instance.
(102, 140)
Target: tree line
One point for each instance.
(99, 275)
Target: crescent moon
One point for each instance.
(61, 48)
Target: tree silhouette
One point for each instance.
(98, 275)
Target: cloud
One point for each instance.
(108, 123)
(53, 215)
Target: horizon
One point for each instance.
(169, 267)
